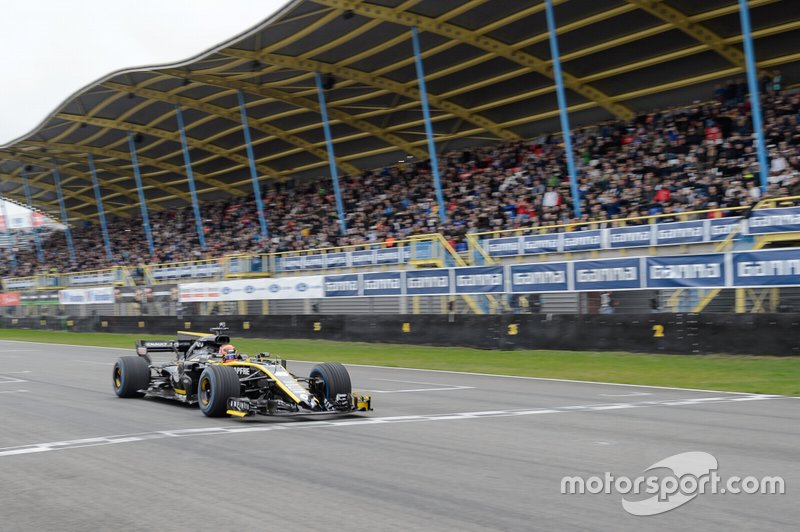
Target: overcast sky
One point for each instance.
(51, 48)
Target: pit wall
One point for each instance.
(751, 334)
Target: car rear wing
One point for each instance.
(143, 347)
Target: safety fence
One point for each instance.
(649, 232)
(738, 281)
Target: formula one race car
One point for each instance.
(209, 372)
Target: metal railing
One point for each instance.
(707, 296)
(421, 250)
(116, 276)
(170, 272)
(478, 254)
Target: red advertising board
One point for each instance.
(9, 299)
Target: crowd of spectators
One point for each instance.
(665, 162)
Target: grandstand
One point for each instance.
(501, 187)
(218, 168)
(509, 219)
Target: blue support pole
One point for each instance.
(187, 161)
(142, 201)
(253, 171)
(562, 108)
(29, 200)
(426, 114)
(755, 100)
(12, 256)
(326, 127)
(101, 213)
(64, 219)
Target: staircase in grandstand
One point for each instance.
(739, 299)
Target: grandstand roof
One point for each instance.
(488, 73)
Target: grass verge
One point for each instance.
(754, 374)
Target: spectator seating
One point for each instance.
(668, 161)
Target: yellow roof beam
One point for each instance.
(661, 28)
(119, 93)
(86, 202)
(310, 65)
(360, 30)
(685, 52)
(66, 170)
(266, 170)
(173, 136)
(115, 184)
(710, 76)
(439, 49)
(50, 207)
(763, 32)
(564, 28)
(600, 75)
(234, 116)
(697, 31)
(73, 154)
(156, 123)
(235, 127)
(111, 98)
(483, 42)
(305, 104)
(331, 15)
(466, 6)
(585, 51)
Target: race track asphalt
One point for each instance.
(441, 451)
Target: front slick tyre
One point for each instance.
(131, 374)
(217, 384)
(335, 379)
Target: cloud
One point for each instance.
(53, 48)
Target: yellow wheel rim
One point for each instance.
(205, 391)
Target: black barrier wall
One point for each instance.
(752, 334)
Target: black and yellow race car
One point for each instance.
(238, 386)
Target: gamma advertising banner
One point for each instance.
(714, 270)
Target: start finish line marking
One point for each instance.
(432, 387)
(234, 429)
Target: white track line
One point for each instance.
(247, 428)
(545, 379)
(129, 349)
(409, 382)
(632, 394)
(412, 390)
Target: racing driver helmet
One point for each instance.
(228, 353)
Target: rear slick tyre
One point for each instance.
(131, 374)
